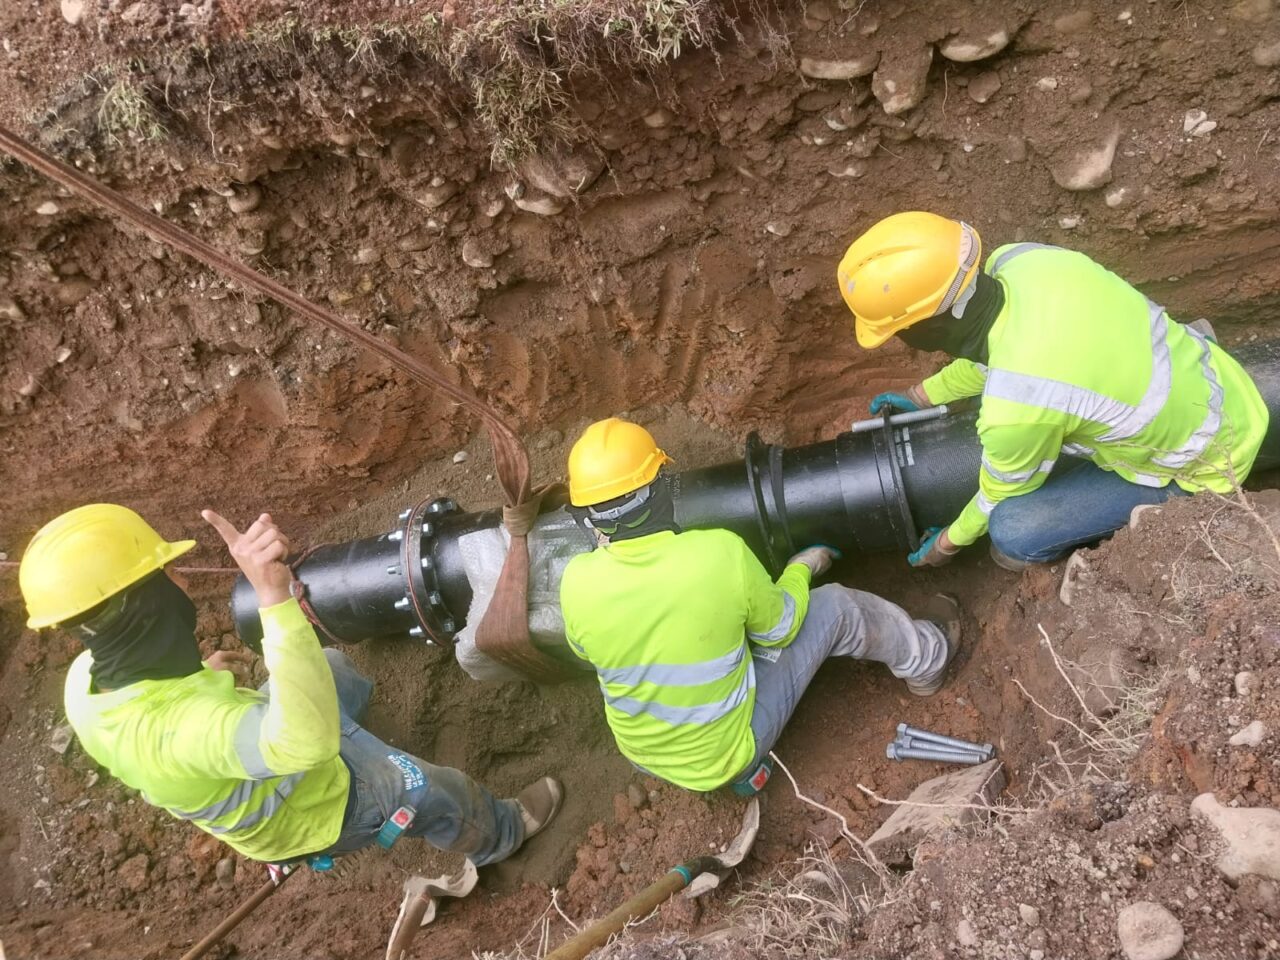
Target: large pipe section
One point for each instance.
(861, 492)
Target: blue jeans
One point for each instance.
(453, 812)
(1082, 504)
(841, 622)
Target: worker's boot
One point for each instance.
(1006, 562)
(942, 610)
(539, 803)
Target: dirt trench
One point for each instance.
(670, 255)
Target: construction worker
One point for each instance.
(701, 656)
(281, 774)
(1067, 358)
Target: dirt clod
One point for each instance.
(1148, 931)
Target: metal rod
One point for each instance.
(896, 751)
(906, 730)
(916, 743)
(901, 419)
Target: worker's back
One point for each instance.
(181, 743)
(1076, 348)
(663, 619)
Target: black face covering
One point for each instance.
(656, 514)
(961, 336)
(148, 632)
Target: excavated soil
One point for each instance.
(670, 256)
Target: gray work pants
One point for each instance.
(451, 811)
(841, 622)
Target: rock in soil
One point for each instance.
(1088, 167)
(900, 84)
(1252, 735)
(1250, 837)
(1148, 931)
(935, 805)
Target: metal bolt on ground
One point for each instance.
(896, 751)
(986, 749)
(915, 743)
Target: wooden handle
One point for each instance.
(233, 920)
(638, 906)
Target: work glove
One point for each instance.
(931, 552)
(896, 402)
(817, 558)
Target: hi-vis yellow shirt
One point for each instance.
(667, 621)
(1082, 363)
(262, 775)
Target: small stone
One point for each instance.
(1088, 167)
(1250, 837)
(1267, 54)
(1148, 931)
(851, 69)
(1070, 221)
(461, 456)
(1047, 83)
(542, 206)
(848, 171)
(11, 310)
(1036, 955)
(984, 86)
(562, 173)
(1073, 22)
(965, 934)
(72, 11)
(1116, 198)
(779, 228)
(475, 256)
(60, 739)
(133, 872)
(436, 194)
(1250, 736)
(1029, 914)
(245, 199)
(636, 796)
(1196, 123)
(47, 209)
(62, 355)
(966, 49)
(366, 255)
(226, 873)
(1245, 683)
(900, 84)
(1125, 16)
(657, 119)
(30, 386)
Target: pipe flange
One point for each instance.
(421, 526)
(897, 509)
(756, 457)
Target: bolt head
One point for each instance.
(891, 751)
(435, 598)
(405, 514)
(902, 728)
(416, 632)
(448, 626)
(428, 529)
(427, 563)
(396, 535)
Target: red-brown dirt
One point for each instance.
(690, 284)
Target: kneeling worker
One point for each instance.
(1068, 358)
(278, 774)
(701, 656)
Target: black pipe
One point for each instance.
(861, 493)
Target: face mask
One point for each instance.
(963, 330)
(147, 632)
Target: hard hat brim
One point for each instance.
(164, 556)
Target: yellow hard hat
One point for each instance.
(612, 457)
(88, 554)
(907, 268)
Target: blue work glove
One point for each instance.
(930, 552)
(896, 402)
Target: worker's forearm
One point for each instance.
(969, 526)
(794, 584)
(956, 381)
(300, 727)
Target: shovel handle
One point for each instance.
(233, 919)
(654, 895)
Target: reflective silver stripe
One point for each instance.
(703, 713)
(784, 624)
(981, 368)
(962, 270)
(1019, 477)
(985, 505)
(1124, 420)
(1199, 441)
(273, 802)
(1078, 450)
(1148, 479)
(1018, 249)
(676, 674)
(245, 741)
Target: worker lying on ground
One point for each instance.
(701, 657)
(280, 773)
(1068, 358)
